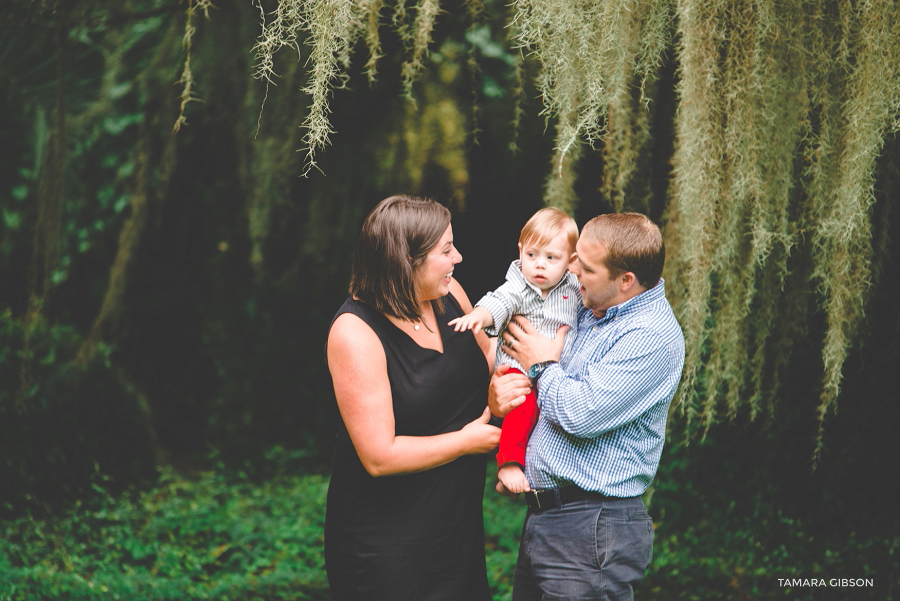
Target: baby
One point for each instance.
(539, 286)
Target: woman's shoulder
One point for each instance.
(354, 318)
(350, 335)
(363, 312)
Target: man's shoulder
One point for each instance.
(657, 317)
(654, 330)
(651, 319)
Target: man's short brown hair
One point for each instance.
(632, 242)
(394, 241)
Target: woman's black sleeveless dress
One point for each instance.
(415, 537)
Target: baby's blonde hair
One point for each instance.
(547, 223)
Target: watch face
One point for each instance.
(535, 370)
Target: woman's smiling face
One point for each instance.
(433, 277)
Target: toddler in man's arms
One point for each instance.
(539, 286)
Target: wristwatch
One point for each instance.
(537, 369)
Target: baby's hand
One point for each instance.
(466, 322)
(477, 319)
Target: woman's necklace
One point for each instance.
(420, 322)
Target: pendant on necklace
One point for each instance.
(416, 327)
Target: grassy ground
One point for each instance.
(220, 537)
(226, 536)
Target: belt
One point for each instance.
(553, 498)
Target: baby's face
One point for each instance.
(544, 266)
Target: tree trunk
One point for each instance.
(45, 254)
(156, 160)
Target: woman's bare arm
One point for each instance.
(359, 372)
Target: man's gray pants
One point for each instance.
(592, 549)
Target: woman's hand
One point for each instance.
(481, 437)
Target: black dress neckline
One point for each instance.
(406, 334)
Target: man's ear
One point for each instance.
(628, 281)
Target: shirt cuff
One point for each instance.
(498, 312)
(550, 373)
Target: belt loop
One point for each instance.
(557, 497)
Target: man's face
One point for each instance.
(598, 290)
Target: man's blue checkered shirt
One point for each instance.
(603, 408)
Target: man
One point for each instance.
(598, 440)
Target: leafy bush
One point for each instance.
(228, 535)
(220, 537)
(62, 421)
(724, 532)
(503, 519)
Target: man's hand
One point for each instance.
(507, 390)
(528, 346)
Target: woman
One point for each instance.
(404, 518)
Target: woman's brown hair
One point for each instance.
(395, 239)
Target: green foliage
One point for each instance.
(65, 420)
(418, 40)
(332, 28)
(98, 87)
(187, 76)
(728, 556)
(783, 109)
(591, 53)
(219, 537)
(231, 534)
(224, 535)
(503, 518)
(434, 133)
(727, 532)
(782, 116)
